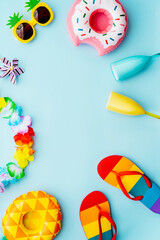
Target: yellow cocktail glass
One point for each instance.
(125, 105)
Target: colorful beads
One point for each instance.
(21, 126)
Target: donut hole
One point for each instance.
(32, 221)
(101, 21)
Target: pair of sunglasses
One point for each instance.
(24, 30)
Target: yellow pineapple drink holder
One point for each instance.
(125, 105)
(35, 215)
(24, 30)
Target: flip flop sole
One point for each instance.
(135, 185)
(89, 216)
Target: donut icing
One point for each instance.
(99, 23)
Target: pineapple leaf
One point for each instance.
(31, 4)
(14, 20)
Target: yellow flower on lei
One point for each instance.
(24, 155)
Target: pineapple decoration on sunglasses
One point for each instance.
(24, 30)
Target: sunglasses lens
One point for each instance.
(24, 31)
(42, 15)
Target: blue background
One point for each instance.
(64, 90)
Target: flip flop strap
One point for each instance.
(104, 214)
(132, 173)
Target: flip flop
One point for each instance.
(122, 173)
(96, 217)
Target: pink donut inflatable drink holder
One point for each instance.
(99, 23)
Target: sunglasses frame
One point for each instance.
(33, 22)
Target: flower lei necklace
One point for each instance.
(21, 126)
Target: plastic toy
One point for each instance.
(21, 126)
(11, 69)
(96, 217)
(113, 169)
(125, 105)
(128, 67)
(34, 215)
(24, 30)
(99, 23)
